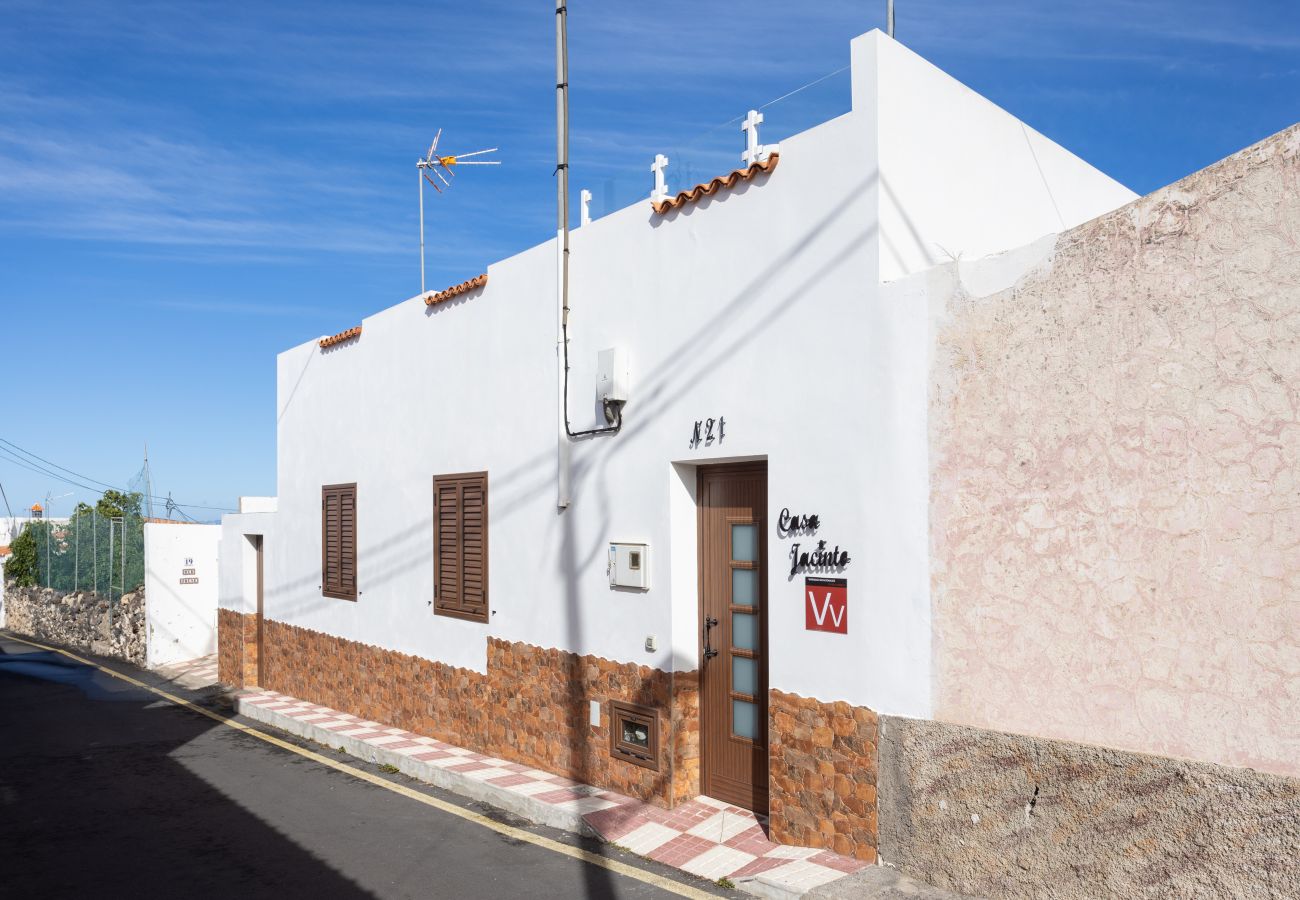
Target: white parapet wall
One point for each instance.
(180, 583)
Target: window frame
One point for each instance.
(454, 612)
(646, 757)
(328, 590)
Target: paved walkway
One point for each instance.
(193, 675)
(705, 837)
(882, 883)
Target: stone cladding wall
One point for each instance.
(80, 620)
(991, 814)
(236, 648)
(248, 625)
(686, 736)
(823, 774)
(532, 706)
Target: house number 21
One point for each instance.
(707, 431)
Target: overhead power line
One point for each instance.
(39, 469)
(57, 466)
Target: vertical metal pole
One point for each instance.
(94, 550)
(76, 555)
(562, 237)
(148, 481)
(122, 587)
(889, 18)
(419, 176)
(110, 578)
(562, 147)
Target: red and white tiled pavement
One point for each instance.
(705, 837)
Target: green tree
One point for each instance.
(115, 504)
(23, 566)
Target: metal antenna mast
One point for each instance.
(562, 238)
(439, 165)
(889, 18)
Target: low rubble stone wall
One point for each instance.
(994, 814)
(79, 620)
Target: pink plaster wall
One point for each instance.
(1115, 497)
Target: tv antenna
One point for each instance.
(444, 169)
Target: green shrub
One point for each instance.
(22, 566)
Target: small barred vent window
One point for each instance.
(634, 734)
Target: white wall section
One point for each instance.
(180, 587)
(960, 177)
(762, 305)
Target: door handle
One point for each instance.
(709, 651)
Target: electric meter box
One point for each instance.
(611, 375)
(629, 566)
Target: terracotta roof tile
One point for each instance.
(340, 337)
(712, 187)
(456, 290)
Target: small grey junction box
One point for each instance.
(629, 566)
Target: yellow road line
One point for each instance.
(595, 859)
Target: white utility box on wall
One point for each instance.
(612, 375)
(629, 566)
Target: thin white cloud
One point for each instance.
(233, 307)
(362, 86)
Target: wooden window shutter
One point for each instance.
(338, 519)
(460, 546)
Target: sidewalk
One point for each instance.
(704, 837)
(194, 674)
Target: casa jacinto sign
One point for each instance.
(820, 557)
(826, 604)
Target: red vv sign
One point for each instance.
(826, 604)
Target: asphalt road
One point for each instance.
(108, 791)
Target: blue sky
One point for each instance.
(188, 188)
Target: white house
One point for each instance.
(747, 570)
(12, 526)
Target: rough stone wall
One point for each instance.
(80, 620)
(532, 706)
(1115, 501)
(1002, 815)
(823, 774)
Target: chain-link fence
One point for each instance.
(98, 549)
(90, 552)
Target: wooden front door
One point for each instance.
(733, 634)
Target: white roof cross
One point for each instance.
(660, 193)
(754, 151)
